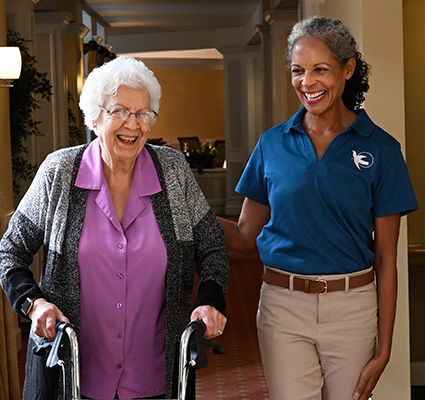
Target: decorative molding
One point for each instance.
(285, 16)
(263, 28)
(183, 63)
(45, 19)
(18, 3)
(79, 29)
(416, 254)
(237, 51)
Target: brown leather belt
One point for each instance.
(318, 286)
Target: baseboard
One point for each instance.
(417, 371)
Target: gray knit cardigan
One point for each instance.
(52, 214)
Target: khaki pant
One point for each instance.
(314, 347)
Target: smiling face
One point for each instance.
(122, 141)
(318, 77)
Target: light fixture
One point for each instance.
(10, 64)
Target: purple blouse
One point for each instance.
(122, 281)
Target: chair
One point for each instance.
(157, 141)
(192, 142)
(220, 145)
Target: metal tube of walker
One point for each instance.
(183, 363)
(75, 373)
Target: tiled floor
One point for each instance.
(237, 374)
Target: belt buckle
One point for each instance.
(325, 288)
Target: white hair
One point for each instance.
(104, 81)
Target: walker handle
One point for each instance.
(56, 348)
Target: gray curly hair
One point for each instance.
(104, 81)
(343, 45)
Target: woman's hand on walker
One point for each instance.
(213, 319)
(44, 316)
(369, 377)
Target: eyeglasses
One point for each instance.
(122, 114)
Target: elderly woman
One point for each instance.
(122, 224)
(323, 207)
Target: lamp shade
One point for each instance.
(10, 62)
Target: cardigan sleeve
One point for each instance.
(191, 232)
(211, 257)
(20, 243)
(38, 220)
(210, 293)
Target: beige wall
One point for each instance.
(414, 48)
(192, 104)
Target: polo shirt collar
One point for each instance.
(363, 125)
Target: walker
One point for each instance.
(192, 354)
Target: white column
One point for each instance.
(74, 59)
(285, 102)
(50, 53)
(20, 18)
(243, 104)
(267, 67)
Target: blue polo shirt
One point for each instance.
(322, 212)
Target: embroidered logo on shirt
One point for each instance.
(362, 159)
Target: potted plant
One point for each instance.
(201, 158)
(23, 103)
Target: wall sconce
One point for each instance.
(10, 64)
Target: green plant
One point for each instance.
(75, 133)
(23, 103)
(201, 158)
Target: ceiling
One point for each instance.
(123, 17)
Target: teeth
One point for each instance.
(314, 96)
(127, 139)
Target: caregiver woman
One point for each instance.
(122, 224)
(324, 195)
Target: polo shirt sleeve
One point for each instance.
(393, 192)
(253, 182)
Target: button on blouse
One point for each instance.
(122, 280)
